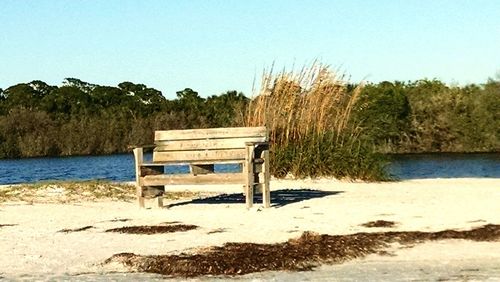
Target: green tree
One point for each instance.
(383, 113)
(145, 100)
(27, 133)
(81, 85)
(2, 103)
(27, 95)
(21, 95)
(429, 100)
(108, 96)
(486, 115)
(66, 100)
(191, 107)
(227, 109)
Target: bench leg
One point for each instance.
(266, 191)
(249, 196)
(139, 159)
(159, 202)
(249, 176)
(140, 200)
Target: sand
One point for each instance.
(33, 248)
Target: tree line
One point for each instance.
(430, 116)
(80, 118)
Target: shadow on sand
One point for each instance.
(279, 198)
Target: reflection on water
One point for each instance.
(121, 167)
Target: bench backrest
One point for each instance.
(205, 145)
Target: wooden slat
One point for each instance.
(173, 179)
(209, 133)
(187, 156)
(154, 164)
(194, 162)
(204, 144)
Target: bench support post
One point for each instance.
(139, 159)
(266, 191)
(159, 201)
(248, 175)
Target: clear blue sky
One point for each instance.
(214, 46)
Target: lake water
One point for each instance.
(121, 167)
(419, 166)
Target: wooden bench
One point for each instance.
(201, 149)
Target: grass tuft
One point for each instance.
(78, 191)
(312, 134)
(67, 191)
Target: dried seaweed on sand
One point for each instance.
(155, 229)
(303, 253)
(379, 223)
(68, 230)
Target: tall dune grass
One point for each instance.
(312, 134)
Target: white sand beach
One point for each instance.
(32, 247)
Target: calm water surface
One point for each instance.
(419, 166)
(118, 167)
(121, 167)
